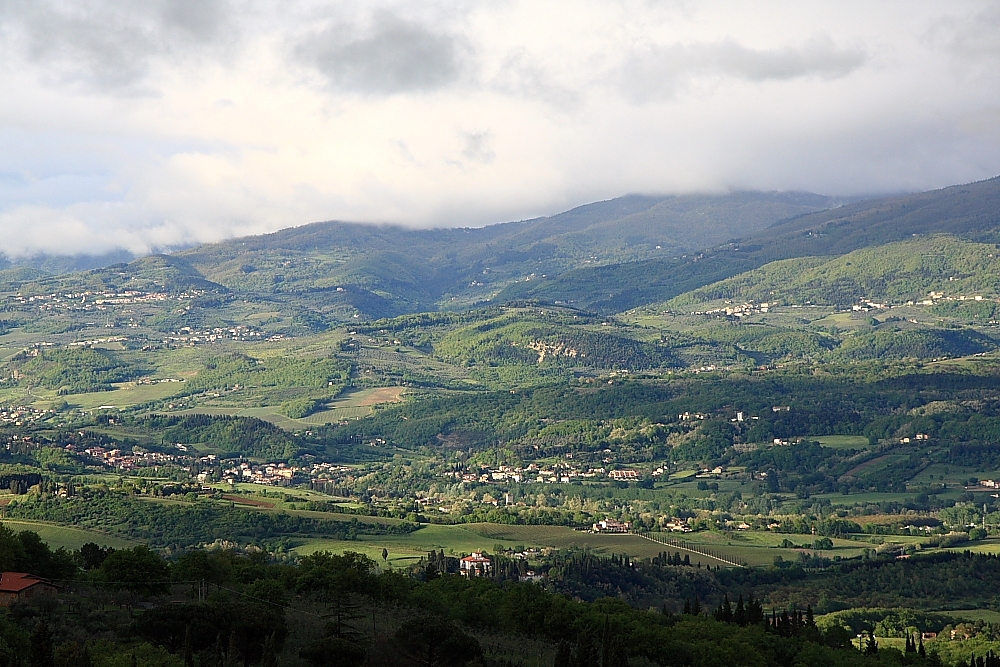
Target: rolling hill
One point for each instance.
(970, 212)
(896, 272)
(337, 271)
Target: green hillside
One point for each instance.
(413, 270)
(535, 340)
(971, 212)
(895, 272)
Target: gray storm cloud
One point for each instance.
(658, 71)
(149, 124)
(108, 44)
(391, 56)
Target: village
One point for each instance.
(97, 300)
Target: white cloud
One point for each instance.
(143, 125)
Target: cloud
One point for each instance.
(477, 148)
(391, 56)
(656, 72)
(109, 44)
(143, 124)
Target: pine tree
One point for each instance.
(920, 649)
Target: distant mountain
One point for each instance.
(386, 270)
(970, 212)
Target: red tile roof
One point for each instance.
(15, 582)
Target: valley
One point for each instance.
(790, 421)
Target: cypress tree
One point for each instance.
(187, 653)
(871, 646)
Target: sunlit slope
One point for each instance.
(896, 272)
(971, 212)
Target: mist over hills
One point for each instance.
(605, 257)
(970, 212)
(343, 268)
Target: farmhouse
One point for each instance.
(612, 526)
(476, 565)
(23, 586)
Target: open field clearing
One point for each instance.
(352, 404)
(988, 615)
(840, 441)
(405, 549)
(66, 536)
(126, 395)
(562, 537)
(469, 537)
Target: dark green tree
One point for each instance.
(42, 651)
(432, 641)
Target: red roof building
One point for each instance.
(476, 565)
(23, 586)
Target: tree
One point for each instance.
(563, 655)
(432, 641)
(334, 652)
(92, 555)
(42, 650)
(269, 656)
(871, 646)
(139, 570)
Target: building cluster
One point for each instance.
(275, 474)
(867, 305)
(119, 460)
(611, 526)
(742, 310)
(98, 341)
(21, 414)
(559, 473)
(934, 297)
(677, 526)
(97, 300)
(190, 336)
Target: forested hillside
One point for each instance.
(968, 211)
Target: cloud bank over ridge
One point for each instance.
(150, 124)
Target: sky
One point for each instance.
(144, 125)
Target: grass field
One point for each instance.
(469, 537)
(840, 441)
(127, 394)
(65, 536)
(351, 405)
(405, 549)
(987, 615)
